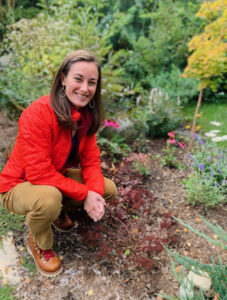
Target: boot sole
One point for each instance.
(45, 273)
(63, 230)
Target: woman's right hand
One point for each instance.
(94, 205)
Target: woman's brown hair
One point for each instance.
(62, 107)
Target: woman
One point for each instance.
(56, 134)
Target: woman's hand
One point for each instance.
(94, 205)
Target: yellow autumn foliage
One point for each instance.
(208, 61)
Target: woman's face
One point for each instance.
(80, 83)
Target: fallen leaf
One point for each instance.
(171, 202)
(178, 269)
(4, 282)
(127, 280)
(27, 280)
(122, 164)
(216, 297)
(189, 244)
(198, 220)
(21, 260)
(215, 236)
(61, 257)
(127, 252)
(90, 292)
(185, 229)
(6, 269)
(185, 253)
(159, 298)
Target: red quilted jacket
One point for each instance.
(41, 152)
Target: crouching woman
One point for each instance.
(55, 164)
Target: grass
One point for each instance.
(5, 293)
(209, 112)
(9, 222)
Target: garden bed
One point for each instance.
(93, 274)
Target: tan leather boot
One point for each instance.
(64, 223)
(47, 262)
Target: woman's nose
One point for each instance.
(84, 86)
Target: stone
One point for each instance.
(9, 267)
(201, 280)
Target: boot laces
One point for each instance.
(47, 254)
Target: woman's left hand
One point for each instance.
(94, 205)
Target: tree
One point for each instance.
(208, 62)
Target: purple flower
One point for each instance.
(211, 172)
(190, 156)
(201, 167)
(217, 184)
(202, 142)
(224, 182)
(220, 154)
(220, 171)
(209, 158)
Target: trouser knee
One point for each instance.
(49, 203)
(110, 189)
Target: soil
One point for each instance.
(85, 277)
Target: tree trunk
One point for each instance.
(194, 120)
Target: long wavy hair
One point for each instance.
(62, 107)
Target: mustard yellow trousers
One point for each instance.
(42, 204)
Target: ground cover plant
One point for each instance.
(207, 185)
(216, 271)
(133, 229)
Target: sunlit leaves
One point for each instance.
(208, 61)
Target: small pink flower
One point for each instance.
(108, 123)
(171, 134)
(181, 144)
(171, 141)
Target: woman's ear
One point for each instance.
(62, 80)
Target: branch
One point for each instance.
(195, 118)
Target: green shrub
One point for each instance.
(200, 190)
(114, 146)
(207, 185)
(36, 48)
(158, 115)
(174, 85)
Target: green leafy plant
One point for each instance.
(217, 271)
(201, 191)
(35, 48)
(115, 147)
(141, 162)
(170, 158)
(158, 115)
(207, 185)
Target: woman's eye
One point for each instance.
(78, 79)
(92, 83)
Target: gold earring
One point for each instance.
(61, 93)
(92, 104)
